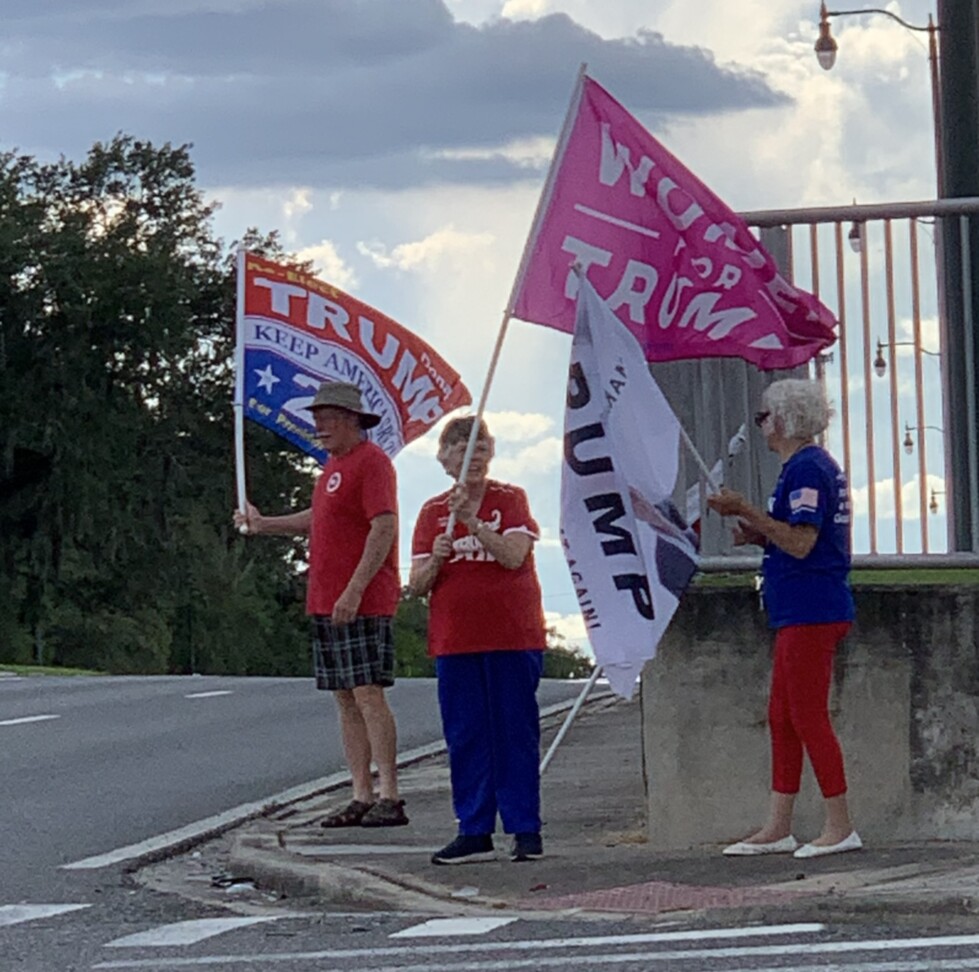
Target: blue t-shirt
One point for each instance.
(811, 489)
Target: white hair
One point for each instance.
(799, 405)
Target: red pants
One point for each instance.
(798, 708)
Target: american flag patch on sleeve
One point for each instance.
(804, 500)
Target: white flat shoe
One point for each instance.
(850, 843)
(744, 849)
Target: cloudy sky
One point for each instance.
(402, 144)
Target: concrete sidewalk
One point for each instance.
(596, 859)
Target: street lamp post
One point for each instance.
(826, 48)
(956, 139)
(908, 429)
(880, 363)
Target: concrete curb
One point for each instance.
(844, 909)
(258, 858)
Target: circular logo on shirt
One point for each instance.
(333, 483)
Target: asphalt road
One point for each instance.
(92, 941)
(89, 765)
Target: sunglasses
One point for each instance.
(760, 418)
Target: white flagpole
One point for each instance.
(239, 400)
(542, 204)
(697, 458)
(569, 718)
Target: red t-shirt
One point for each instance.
(351, 490)
(476, 603)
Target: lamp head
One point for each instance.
(855, 236)
(825, 44)
(880, 365)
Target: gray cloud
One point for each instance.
(338, 93)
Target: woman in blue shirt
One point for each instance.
(806, 536)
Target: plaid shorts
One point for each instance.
(349, 655)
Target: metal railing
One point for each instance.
(887, 373)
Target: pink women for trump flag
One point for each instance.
(676, 265)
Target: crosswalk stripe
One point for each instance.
(585, 962)
(185, 932)
(15, 914)
(447, 927)
(463, 956)
(476, 949)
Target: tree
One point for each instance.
(411, 638)
(116, 339)
(560, 661)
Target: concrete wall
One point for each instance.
(905, 702)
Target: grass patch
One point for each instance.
(45, 670)
(743, 578)
(967, 576)
(901, 576)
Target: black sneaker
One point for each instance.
(466, 850)
(527, 847)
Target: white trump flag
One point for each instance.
(629, 550)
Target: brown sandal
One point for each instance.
(350, 816)
(385, 813)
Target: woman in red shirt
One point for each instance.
(486, 631)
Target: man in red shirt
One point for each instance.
(352, 595)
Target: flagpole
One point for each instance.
(239, 400)
(688, 442)
(542, 203)
(570, 717)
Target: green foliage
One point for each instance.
(560, 661)
(31, 670)
(116, 455)
(411, 638)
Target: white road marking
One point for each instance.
(26, 719)
(447, 927)
(209, 695)
(207, 827)
(933, 965)
(404, 951)
(211, 826)
(15, 914)
(185, 932)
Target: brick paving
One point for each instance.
(656, 897)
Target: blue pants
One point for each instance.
(491, 723)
